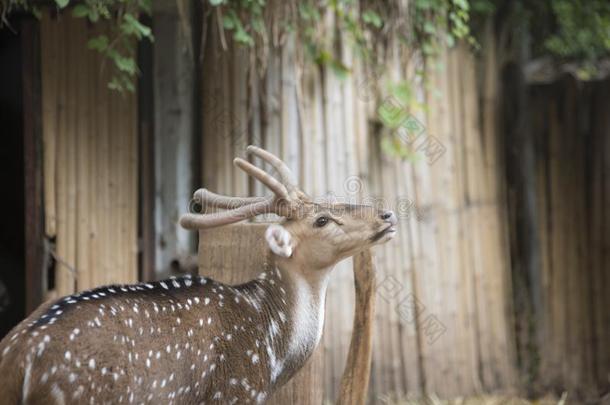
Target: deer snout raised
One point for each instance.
(389, 217)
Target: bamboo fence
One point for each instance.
(90, 162)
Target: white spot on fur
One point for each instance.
(58, 395)
(26, 381)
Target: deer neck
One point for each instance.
(293, 313)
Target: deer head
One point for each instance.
(313, 235)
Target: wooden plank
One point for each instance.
(600, 147)
(64, 280)
(131, 185)
(91, 160)
(239, 117)
(71, 236)
(539, 129)
(83, 138)
(131, 216)
(291, 141)
(407, 214)
(225, 125)
(33, 158)
(174, 84)
(48, 56)
(604, 252)
(146, 155)
(101, 180)
(95, 215)
(438, 292)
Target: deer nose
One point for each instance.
(389, 216)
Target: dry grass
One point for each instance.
(480, 400)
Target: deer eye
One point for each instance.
(320, 222)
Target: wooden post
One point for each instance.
(355, 380)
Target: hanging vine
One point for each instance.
(119, 47)
(568, 30)
(367, 25)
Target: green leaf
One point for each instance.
(37, 13)
(424, 4)
(62, 3)
(387, 146)
(339, 69)
(99, 43)
(242, 37)
(115, 84)
(217, 2)
(133, 26)
(391, 112)
(80, 10)
(125, 64)
(228, 22)
(450, 39)
(94, 15)
(323, 57)
(146, 6)
(129, 85)
(429, 28)
(308, 12)
(372, 18)
(403, 92)
(462, 4)
(429, 49)
(259, 26)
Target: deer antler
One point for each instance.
(283, 170)
(287, 197)
(207, 198)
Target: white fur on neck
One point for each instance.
(307, 319)
(307, 315)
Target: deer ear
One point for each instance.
(279, 240)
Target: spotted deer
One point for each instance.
(193, 340)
